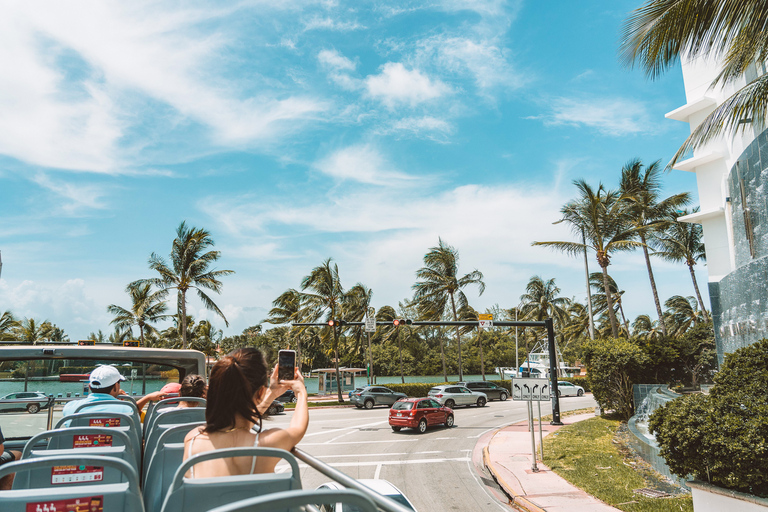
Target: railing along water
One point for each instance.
(384, 503)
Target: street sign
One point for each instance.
(534, 390)
(370, 320)
(485, 321)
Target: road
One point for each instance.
(438, 471)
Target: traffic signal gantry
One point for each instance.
(400, 322)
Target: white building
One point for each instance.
(731, 177)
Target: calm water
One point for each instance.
(54, 387)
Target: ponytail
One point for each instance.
(235, 379)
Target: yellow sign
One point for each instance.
(485, 317)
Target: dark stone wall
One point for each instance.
(740, 300)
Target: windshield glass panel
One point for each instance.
(403, 406)
(35, 382)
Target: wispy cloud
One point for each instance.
(426, 127)
(363, 164)
(396, 85)
(609, 116)
(77, 198)
(327, 23)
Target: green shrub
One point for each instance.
(722, 438)
(415, 389)
(613, 366)
(580, 380)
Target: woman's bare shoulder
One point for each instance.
(193, 433)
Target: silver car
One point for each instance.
(32, 402)
(452, 395)
(375, 395)
(565, 388)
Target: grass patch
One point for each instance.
(563, 414)
(592, 455)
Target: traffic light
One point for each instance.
(337, 323)
(401, 321)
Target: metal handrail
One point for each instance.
(384, 503)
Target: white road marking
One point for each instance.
(377, 473)
(442, 438)
(387, 454)
(301, 445)
(393, 462)
(331, 431)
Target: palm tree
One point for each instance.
(645, 328)
(682, 242)
(357, 301)
(98, 337)
(541, 301)
(147, 307)
(656, 34)
(599, 300)
(577, 325)
(326, 297)
(683, 313)
(120, 335)
(30, 331)
(440, 287)
(8, 324)
(287, 309)
(647, 212)
(599, 216)
(189, 270)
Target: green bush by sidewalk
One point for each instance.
(417, 389)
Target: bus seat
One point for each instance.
(203, 494)
(125, 423)
(295, 501)
(166, 419)
(154, 409)
(163, 464)
(83, 441)
(112, 497)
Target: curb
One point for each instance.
(517, 500)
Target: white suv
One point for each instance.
(452, 395)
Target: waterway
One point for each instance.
(138, 388)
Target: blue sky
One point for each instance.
(295, 131)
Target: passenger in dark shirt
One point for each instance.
(6, 456)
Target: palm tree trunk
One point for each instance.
(482, 361)
(141, 335)
(458, 336)
(336, 361)
(183, 307)
(698, 293)
(400, 350)
(623, 318)
(611, 312)
(442, 353)
(653, 286)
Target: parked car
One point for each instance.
(375, 395)
(565, 388)
(491, 390)
(288, 396)
(356, 390)
(276, 408)
(453, 395)
(419, 413)
(33, 402)
(383, 487)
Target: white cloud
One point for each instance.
(610, 116)
(426, 127)
(361, 163)
(77, 196)
(335, 61)
(318, 23)
(482, 60)
(397, 85)
(75, 73)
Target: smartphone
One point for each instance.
(286, 364)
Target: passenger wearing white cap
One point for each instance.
(104, 382)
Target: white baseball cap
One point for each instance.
(104, 376)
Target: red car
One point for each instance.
(419, 413)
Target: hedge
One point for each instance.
(579, 381)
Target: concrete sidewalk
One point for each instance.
(508, 458)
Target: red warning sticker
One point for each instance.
(91, 441)
(72, 474)
(84, 504)
(104, 422)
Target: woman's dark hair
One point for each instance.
(235, 378)
(193, 385)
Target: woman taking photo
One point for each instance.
(239, 391)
